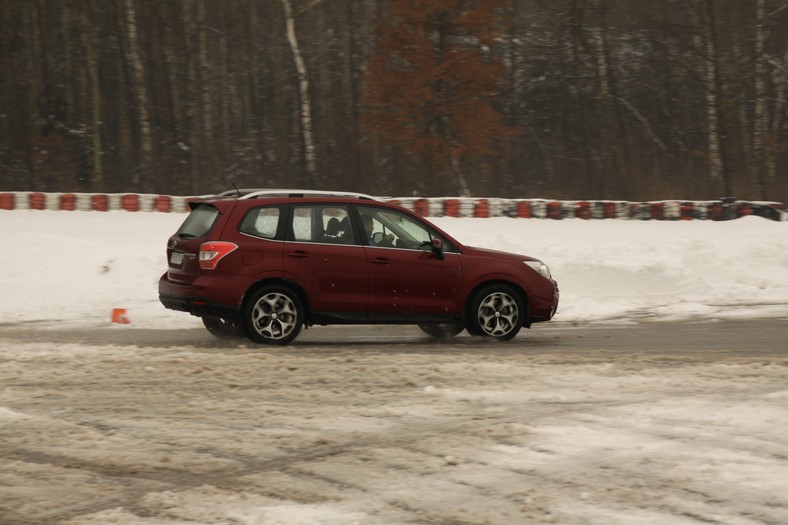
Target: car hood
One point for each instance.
(485, 252)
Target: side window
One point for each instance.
(390, 228)
(302, 224)
(322, 223)
(262, 222)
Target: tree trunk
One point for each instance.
(462, 185)
(206, 107)
(66, 16)
(140, 94)
(610, 148)
(780, 81)
(228, 96)
(32, 60)
(190, 116)
(305, 104)
(89, 42)
(716, 165)
(585, 129)
(760, 124)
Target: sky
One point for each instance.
(76, 267)
(457, 434)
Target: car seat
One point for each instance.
(345, 231)
(332, 231)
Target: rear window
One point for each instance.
(199, 222)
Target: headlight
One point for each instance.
(540, 267)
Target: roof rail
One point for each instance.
(234, 192)
(253, 194)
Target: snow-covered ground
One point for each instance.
(399, 431)
(77, 266)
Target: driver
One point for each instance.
(386, 240)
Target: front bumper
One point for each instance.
(544, 309)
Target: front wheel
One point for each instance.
(496, 311)
(442, 330)
(273, 316)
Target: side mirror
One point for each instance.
(437, 249)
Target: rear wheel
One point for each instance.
(442, 330)
(496, 311)
(223, 328)
(273, 315)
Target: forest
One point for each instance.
(560, 99)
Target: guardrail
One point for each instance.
(721, 209)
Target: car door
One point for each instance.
(321, 255)
(406, 279)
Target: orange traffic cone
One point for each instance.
(119, 316)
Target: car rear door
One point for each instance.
(325, 261)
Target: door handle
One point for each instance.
(380, 260)
(299, 254)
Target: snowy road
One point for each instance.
(661, 423)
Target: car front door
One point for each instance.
(406, 279)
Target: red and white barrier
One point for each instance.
(671, 210)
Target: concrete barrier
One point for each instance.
(483, 207)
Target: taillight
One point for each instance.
(213, 252)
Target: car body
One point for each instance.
(265, 263)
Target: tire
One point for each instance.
(442, 330)
(273, 316)
(223, 328)
(496, 311)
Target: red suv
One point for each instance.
(266, 263)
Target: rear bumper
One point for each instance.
(198, 306)
(183, 299)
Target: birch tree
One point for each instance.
(305, 103)
(716, 165)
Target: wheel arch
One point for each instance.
(514, 286)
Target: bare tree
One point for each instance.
(140, 92)
(610, 152)
(90, 44)
(568, 99)
(760, 119)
